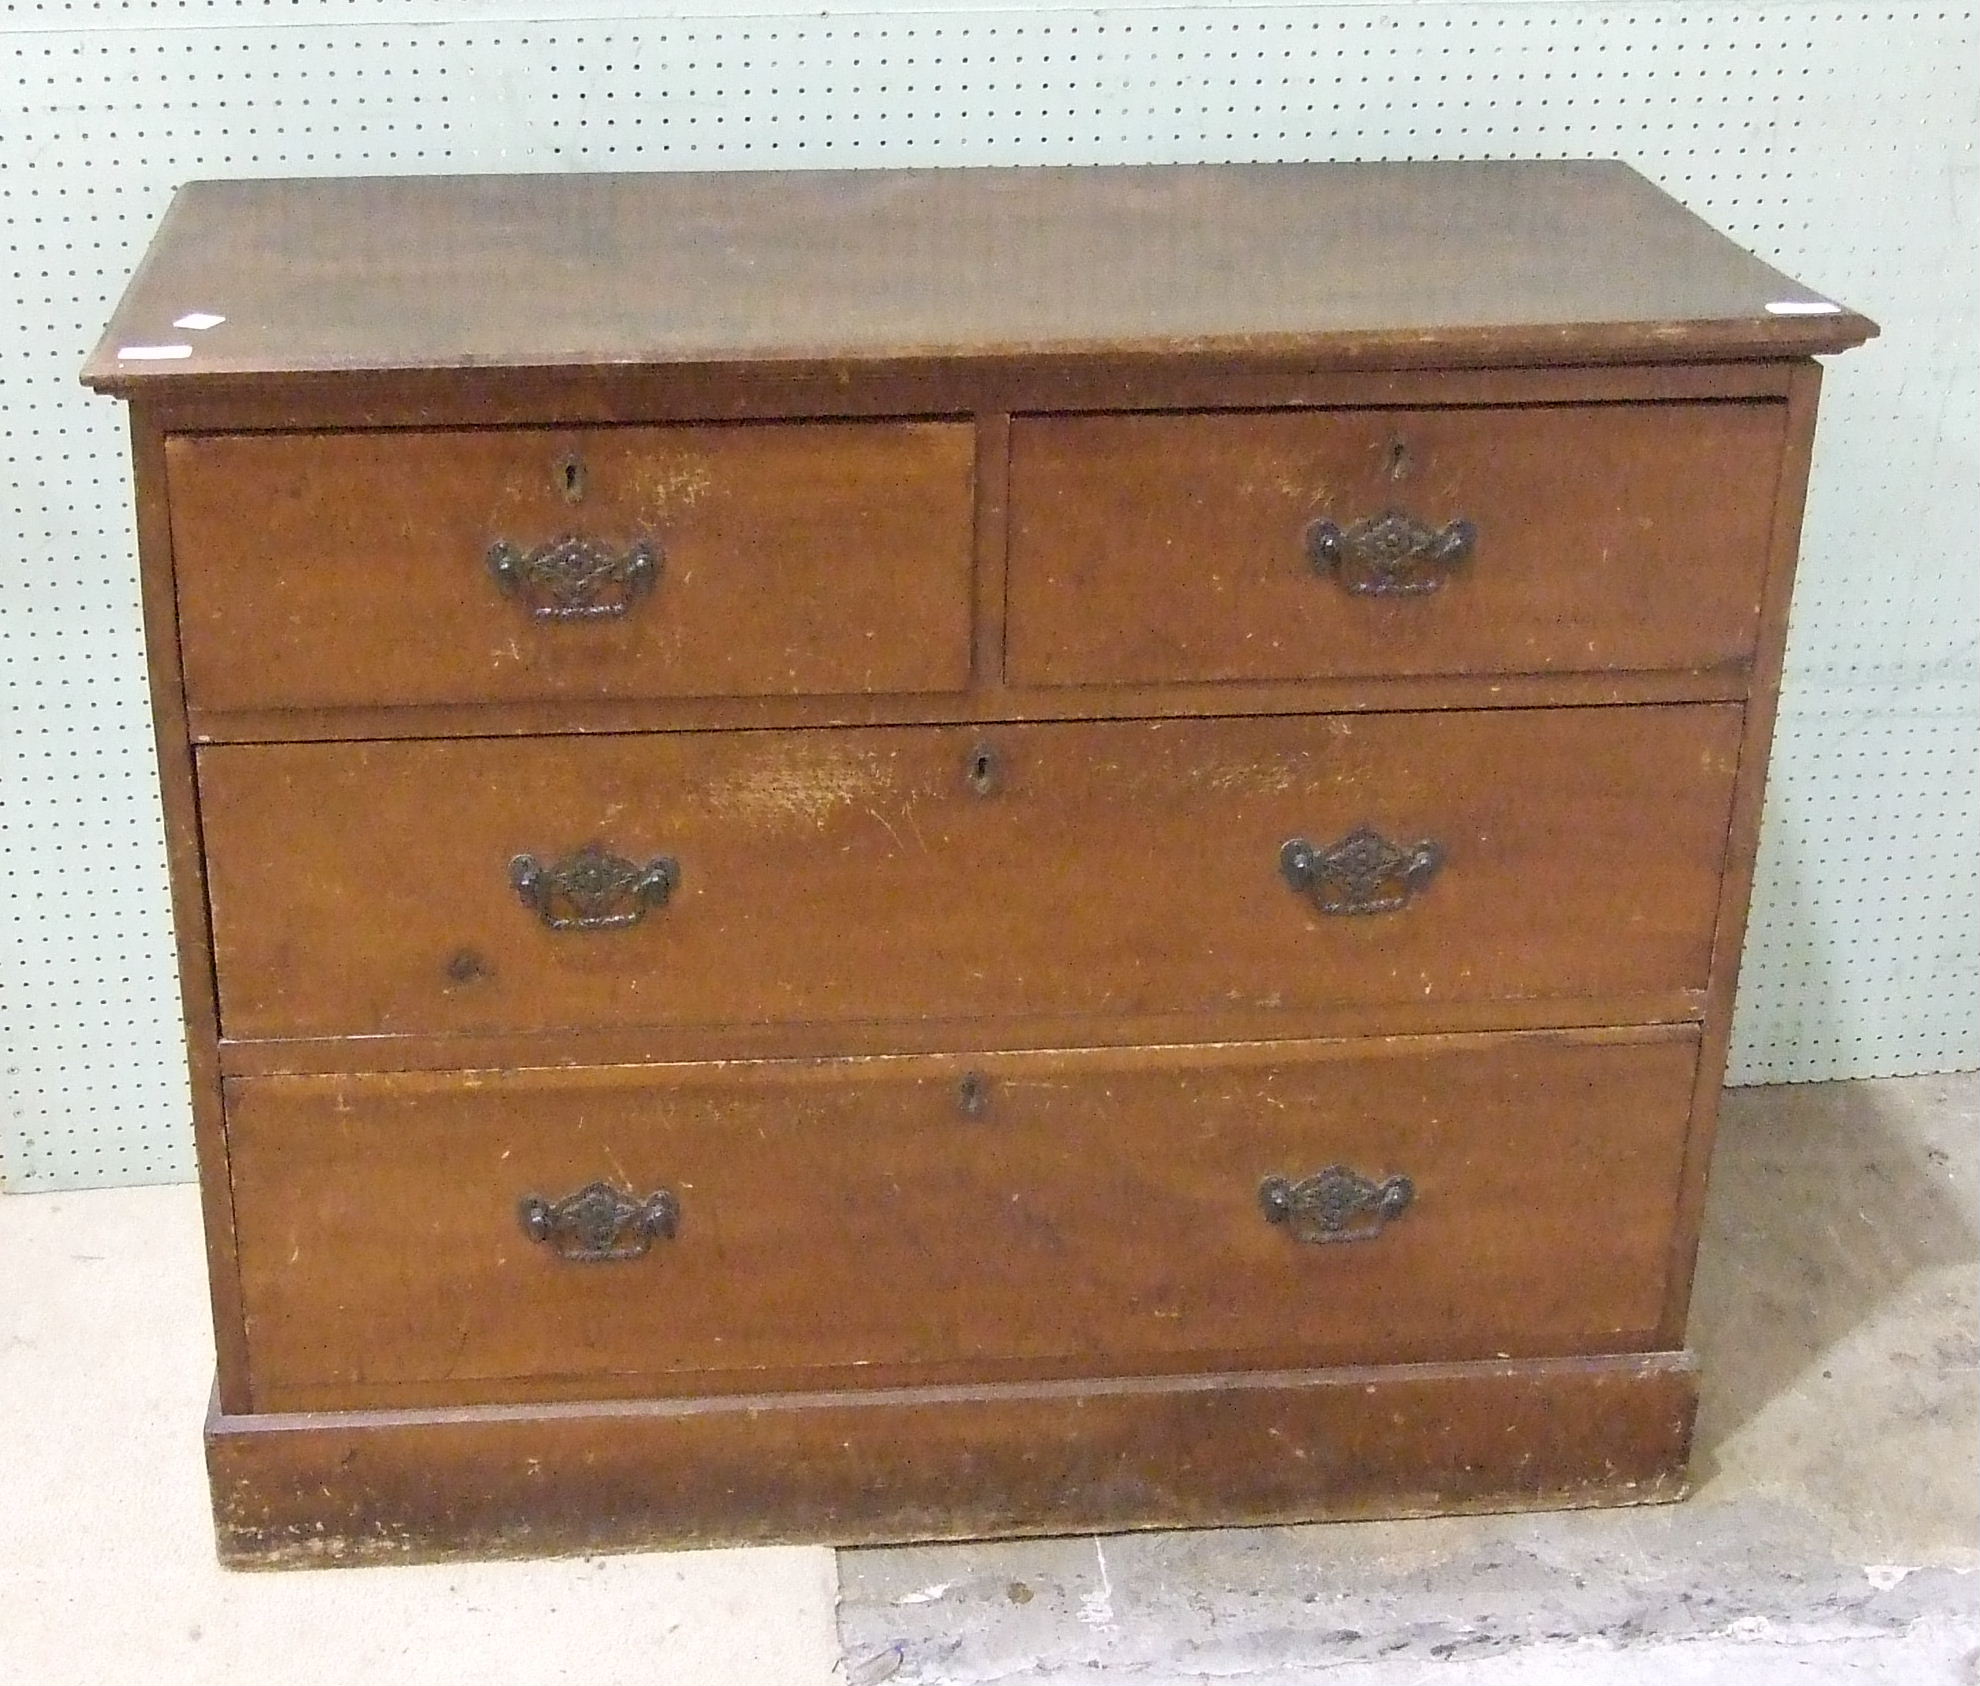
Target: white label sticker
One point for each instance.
(199, 321)
(1803, 307)
(151, 353)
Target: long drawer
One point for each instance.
(452, 1238)
(534, 564)
(1351, 543)
(1282, 865)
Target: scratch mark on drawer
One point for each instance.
(805, 788)
(666, 487)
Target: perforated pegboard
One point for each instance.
(1837, 141)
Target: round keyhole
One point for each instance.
(570, 478)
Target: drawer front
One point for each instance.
(1527, 540)
(1083, 870)
(411, 1238)
(522, 565)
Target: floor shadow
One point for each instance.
(1826, 1200)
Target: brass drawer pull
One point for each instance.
(1336, 1204)
(601, 1222)
(575, 579)
(1363, 873)
(1389, 555)
(593, 890)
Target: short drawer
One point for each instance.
(1284, 866)
(444, 1238)
(522, 565)
(1355, 543)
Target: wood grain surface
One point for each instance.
(985, 676)
(790, 559)
(199, 1002)
(1277, 378)
(309, 1491)
(865, 1220)
(1352, 265)
(1609, 537)
(1115, 868)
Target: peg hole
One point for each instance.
(467, 967)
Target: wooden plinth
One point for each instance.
(292, 1490)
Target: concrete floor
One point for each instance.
(107, 1575)
(1833, 1538)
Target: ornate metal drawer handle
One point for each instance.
(1336, 1204)
(601, 1222)
(593, 890)
(575, 579)
(1389, 555)
(1363, 873)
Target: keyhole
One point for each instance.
(1398, 459)
(973, 1094)
(570, 478)
(984, 771)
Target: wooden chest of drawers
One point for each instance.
(911, 854)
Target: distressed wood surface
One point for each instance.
(790, 559)
(988, 703)
(861, 1222)
(1147, 549)
(849, 1468)
(1351, 265)
(1743, 838)
(665, 1044)
(185, 860)
(1005, 461)
(856, 876)
(570, 397)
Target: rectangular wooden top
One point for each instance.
(1338, 266)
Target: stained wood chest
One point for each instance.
(907, 854)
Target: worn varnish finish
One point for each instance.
(189, 910)
(1743, 838)
(1058, 382)
(962, 1214)
(783, 560)
(856, 1467)
(1362, 265)
(1154, 548)
(980, 540)
(1100, 870)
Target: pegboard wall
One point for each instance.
(1836, 141)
